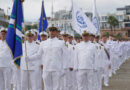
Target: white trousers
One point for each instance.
(85, 79)
(97, 80)
(39, 79)
(16, 79)
(29, 80)
(106, 76)
(5, 78)
(72, 80)
(51, 80)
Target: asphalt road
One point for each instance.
(120, 81)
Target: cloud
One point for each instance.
(32, 8)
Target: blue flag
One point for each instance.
(14, 34)
(43, 24)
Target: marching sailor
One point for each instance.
(65, 79)
(107, 71)
(72, 81)
(54, 61)
(84, 62)
(5, 62)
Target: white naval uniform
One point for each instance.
(16, 78)
(128, 49)
(107, 71)
(65, 78)
(115, 50)
(84, 62)
(5, 66)
(31, 75)
(54, 62)
(100, 65)
(71, 79)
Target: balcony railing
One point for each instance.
(126, 20)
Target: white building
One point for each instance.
(123, 16)
(2, 14)
(63, 19)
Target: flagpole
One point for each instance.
(52, 11)
(42, 31)
(26, 53)
(42, 13)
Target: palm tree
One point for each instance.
(113, 22)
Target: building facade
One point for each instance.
(123, 16)
(63, 20)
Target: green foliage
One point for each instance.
(118, 36)
(4, 24)
(76, 35)
(28, 27)
(34, 26)
(106, 34)
(113, 22)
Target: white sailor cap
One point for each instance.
(63, 33)
(29, 32)
(43, 33)
(3, 29)
(35, 30)
(70, 35)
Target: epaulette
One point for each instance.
(73, 48)
(38, 43)
(97, 47)
(100, 47)
(101, 44)
(66, 45)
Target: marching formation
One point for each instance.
(62, 61)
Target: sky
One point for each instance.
(32, 8)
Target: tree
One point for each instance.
(106, 34)
(4, 24)
(113, 22)
(119, 36)
(28, 27)
(34, 26)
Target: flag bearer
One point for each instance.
(29, 74)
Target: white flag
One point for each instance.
(80, 22)
(95, 19)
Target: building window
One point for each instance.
(104, 18)
(128, 11)
(120, 18)
(127, 25)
